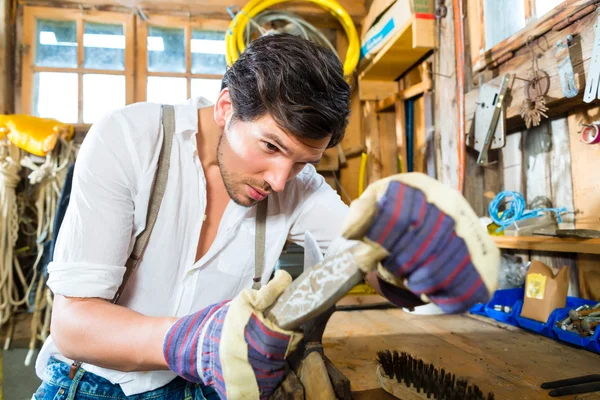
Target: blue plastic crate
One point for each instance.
(505, 297)
(478, 309)
(591, 343)
(542, 328)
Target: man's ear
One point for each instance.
(223, 108)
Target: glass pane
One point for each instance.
(166, 90)
(104, 46)
(101, 94)
(208, 52)
(544, 6)
(500, 24)
(166, 49)
(207, 88)
(55, 96)
(56, 44)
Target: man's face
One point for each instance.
(258, 158)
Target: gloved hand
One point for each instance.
(231, 346)
(438, 249)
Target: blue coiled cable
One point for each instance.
(515, 210)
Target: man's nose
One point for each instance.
(278, 175)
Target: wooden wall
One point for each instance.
(6, 51)
(548, 164)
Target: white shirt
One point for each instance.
(107, 211)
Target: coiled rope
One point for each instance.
(515, 210)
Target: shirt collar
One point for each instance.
(186, 114)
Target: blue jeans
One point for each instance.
(87, 386)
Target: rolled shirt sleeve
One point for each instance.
(96, 236)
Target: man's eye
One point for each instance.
(271, 147)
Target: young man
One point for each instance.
(283, 103)
(174, 333)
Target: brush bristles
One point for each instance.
(423, 377)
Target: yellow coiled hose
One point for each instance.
(234, 39)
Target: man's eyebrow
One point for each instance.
(277, 141)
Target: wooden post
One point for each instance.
(6, 58)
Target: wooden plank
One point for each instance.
(475, 29)
(213, 8)
(474, 185)
(354, 138)
(373, 138)
(376, 90)
(545, 244)
(419, 136)
(520, 64)
(543, 25)
(389, 153)
(589, 276)
(445, 105)
(537, 144)
(418, 89)
(401, 149)
(404, 49)
(585, 161)
(512, 157)
(511, 363)
(6, 61)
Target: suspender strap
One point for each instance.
(259, 244)
(156, 195)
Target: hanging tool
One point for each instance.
(581, 384)
(593, 78)
(498, 103)
(565, 67)
(484, 113)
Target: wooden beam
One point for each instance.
(560, 15)
(371, 128)
(389, 102)
(580, 51)
(446, 115)
(568, 245)
(6, 58)
(376, 90)
(210, 8)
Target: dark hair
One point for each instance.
(299, 83)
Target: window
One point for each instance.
(77, 65)
(182, 58)
(494, 23)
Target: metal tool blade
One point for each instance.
(565, 67)
(593, 75)
(498, 103)
(316, 290)
(312, 251)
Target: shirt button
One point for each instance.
(204, 218)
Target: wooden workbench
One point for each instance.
(499, 358)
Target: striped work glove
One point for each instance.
(439, 252)
(231, 346)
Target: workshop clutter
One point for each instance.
(506, 305)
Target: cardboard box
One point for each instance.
(544, 292)
(386, 17)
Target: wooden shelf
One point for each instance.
(541, 243)
(410, 43)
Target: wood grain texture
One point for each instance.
(545, 244)
(315, 379)
(6, 61)
(214, 8)
(580, 51)
(510, 363)
(445, 105)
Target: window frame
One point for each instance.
(534, 26)
(28, 68)
(168, 21)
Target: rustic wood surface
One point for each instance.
(506, 360)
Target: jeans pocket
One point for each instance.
(49, 391)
